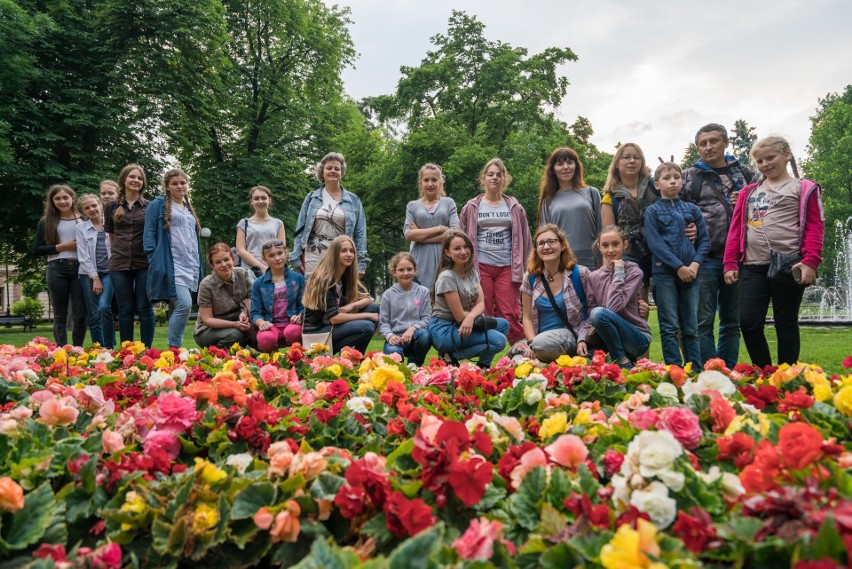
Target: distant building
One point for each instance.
(11, 292)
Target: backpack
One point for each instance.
(577, 283)
(698, 180)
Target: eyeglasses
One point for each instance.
(270, 244)
(627, 158)
(547, 243)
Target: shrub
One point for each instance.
(29, 307)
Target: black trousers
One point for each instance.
(756, 290)
(65, 288)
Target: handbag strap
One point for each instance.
(559, 312)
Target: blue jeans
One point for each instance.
(179, 315)
(714, 295)
(623, 340)
(100, 310)
(677, 309)
(131, 293)
(415, 351)
(485, 345)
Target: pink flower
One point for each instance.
(568, 450)
(529, 460)
(644, 419)
(307, 397)
(280, 456)
(683, 424)
(175, 413)
(112, 441)
(59, 411)
(477, 543)
(429, 425)
(11, 495)
(427, 377)
(167, 441)
(41, 396)
(287, 524)
(309, 464)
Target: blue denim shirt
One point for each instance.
(665, 222)
(263, 293)
(355, 227)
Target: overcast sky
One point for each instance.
(650, 72)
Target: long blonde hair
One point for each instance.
(423, 169)
(613, 177)
(325, 276)
(780, 145)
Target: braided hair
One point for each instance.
(167, 216)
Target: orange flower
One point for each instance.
(287, 525)
(11, 495)
(230, 389)
(201, 391)
(59, 411)
(678, 375)
(799, 444)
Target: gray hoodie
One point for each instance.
(402, 309)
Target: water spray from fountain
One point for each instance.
(832, 303)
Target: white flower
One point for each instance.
(183, 354)
(667, 390)
(157, 379)
(104, 357)
(712, 380)
(655, 501)
(673, 480)
(240, 461)
(655, 451)
(621, 493)
(488, 427)
(179, 375)
(360, 405)
(731, 485)
(531, 395)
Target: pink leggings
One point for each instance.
(279, 335)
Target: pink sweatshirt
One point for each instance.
(811, 227)
(618, 291)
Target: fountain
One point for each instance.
(831, 305)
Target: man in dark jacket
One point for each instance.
(713, 184)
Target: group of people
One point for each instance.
(473, 281)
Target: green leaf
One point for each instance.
(827, 542)
(588, 484)
(326, 485)
(524, 502)
(30, 522)
(559, 489)
(415, 552)
(404, 448)
(552, 521)
(559, 556)
(251, 499)
(105, 380)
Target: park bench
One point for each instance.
(10, 321)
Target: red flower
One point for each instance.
(580, 504)
(824, 563)
(510, 460)
(799, 444)
(631, 516)
(470, 478)
(761, 396)
(759, 476)
(54, 552)
(406, 517)
(695, 530)
(612, 462)
(738, 447)
(795, 400)
(720, 410)
(847, 362)
(338, 389)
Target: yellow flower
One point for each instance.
(60, 356)
(381, 375)
(135, 348)
(364, 387)
(568, 361)
(628, 547)
(161, 363)
(335, 369)
(366, 366)
(583, 416)
(523, 370)
(554, 425)
(204, 518)
(83, 358)
(843, 400)
(228, 365)
(209, 473)
(133, 503)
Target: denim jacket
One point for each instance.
(157, 242)
(263, 292)
(665, 222)
(356, 225)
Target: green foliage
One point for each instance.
(829, 149)
(29, 307)
(690, 156)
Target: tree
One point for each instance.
(828, 163)
(690, 156)
(742, 140)
(469, 100)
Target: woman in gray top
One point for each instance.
(254, 231)
(427, 221)
(567, 202)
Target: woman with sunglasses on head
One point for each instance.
(553, 298)
(224, 302)
(276, 300)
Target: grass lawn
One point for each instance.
(825, 346)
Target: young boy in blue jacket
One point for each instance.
(675, 261)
